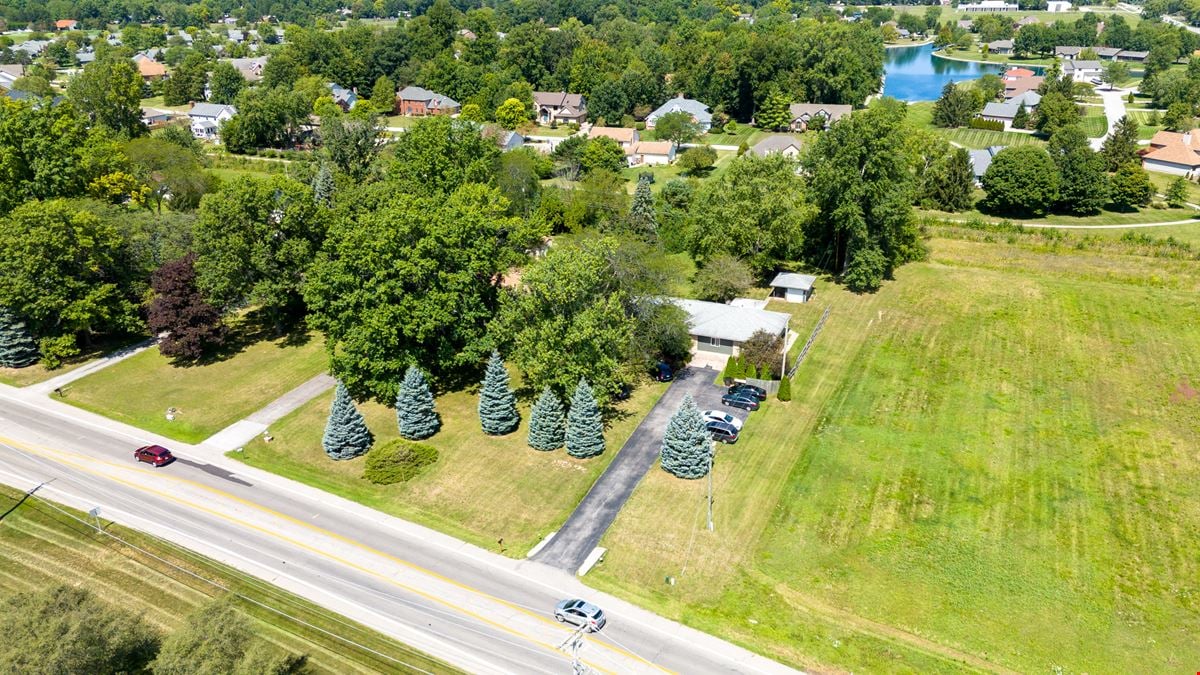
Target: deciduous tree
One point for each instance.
(687, 445)
(602, 154)
(764, 352)
(697, 160)
(547, 423)
(722, 278)
(193, 327)
(351, 144)
(677, 127)
(226, 83)
(511, 114)
(1022, 180)
(416, 413)
(1082, 185)
(109, 92)
(585, 427)
(346, 433)
(1130, 187)
(497, 403)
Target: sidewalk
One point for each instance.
(83, 371)
(243, 431)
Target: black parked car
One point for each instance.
(748, 390)
(662, 372)
(745, 401)
(723, 432)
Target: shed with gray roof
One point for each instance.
(792, 287)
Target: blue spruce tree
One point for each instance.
(415, 413)
(546, 423)
(346, 433)
(497, 404)
(585, 427)
(17, 346)
(686, 442)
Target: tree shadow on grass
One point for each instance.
(249, 329)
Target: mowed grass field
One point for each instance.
(209, 397)
(494, 491)
(42, 546)
(988, 465)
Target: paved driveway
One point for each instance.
(583, 529)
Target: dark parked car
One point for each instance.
(663, 372)
(154, 454)
(580, 613)
(749, 389)
(723, 432)
(745, 401)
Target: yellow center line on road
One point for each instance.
(56, 455)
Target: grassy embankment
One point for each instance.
(41, 546)
(988, 465)
(252, 371)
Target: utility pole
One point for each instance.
(712, 451)
(573, 643)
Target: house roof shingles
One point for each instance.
(801, 282)
(727, 322)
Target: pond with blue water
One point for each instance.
(915, 74)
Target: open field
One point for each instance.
(1094, 123)
(1146, 131)
(1145, 215)
(989, 465)
(209, 397)
(41, 546)
(495, 492)
(975, 54)
(921, 114)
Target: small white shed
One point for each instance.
(792, 287)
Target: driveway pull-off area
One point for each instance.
(591, 519)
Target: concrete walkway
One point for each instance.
(1114, 110)
(83, 371)
(576, 539)
(243, 431)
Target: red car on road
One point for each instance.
(154, 454)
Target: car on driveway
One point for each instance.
(721, 416)
(153, 454)
(663, 372)
(723, 432)
(580, 613)
(743, 388)
(745, 401)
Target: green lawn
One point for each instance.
(23, 377)
(209, 397)
(974, 54)
(492, 491)
(921, 115)
(41, 546)
(988, 465)
(1146, 215)
(1146, 131)
(1094, 123)
(663, 173)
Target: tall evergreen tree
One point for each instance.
(949, 182)
(1177, 195)
(686, 442)
(497, 404)
(546, 422)
(1021, 118)
(415, 411)
(642, 218)
(346, 432)
(773, 112)
(1121, 146)
(17, 346)
(954, 108)
(585, 427)
(1130, 187)
(323, 185)
(1082, 185)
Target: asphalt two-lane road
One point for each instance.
(469, 607)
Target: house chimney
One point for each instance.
(1187, 138)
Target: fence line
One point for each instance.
(811, 339)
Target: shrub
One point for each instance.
(398, 461)
(785, 389)
(991, 125)
(640, 126)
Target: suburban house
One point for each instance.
(1107, 53)
(1082, 71)
(624, 137)
(779, 144)
(1027, 21)
(32, 47)
(1001, 112)
(65, 24)
(989, 6)
(1030, 98)
(148, 68)
(85, 56)
(721, 329)
(801, 113)
(792, 287)
(1000, 47)
(1018, 86)
(699, 112)
(207, 117)
(1132, 56)
(559, 106)
(1174, 153)
(981, 160)
(251, 69)
(505, 139)
(1067, 51)
(420, 102)
(1014, 74)
(343, 97)
(10, 73)
(650, 153)
(155, 118)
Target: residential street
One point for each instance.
(475, 609)
(588, 523)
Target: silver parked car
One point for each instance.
(579, 613)
(722, 416)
